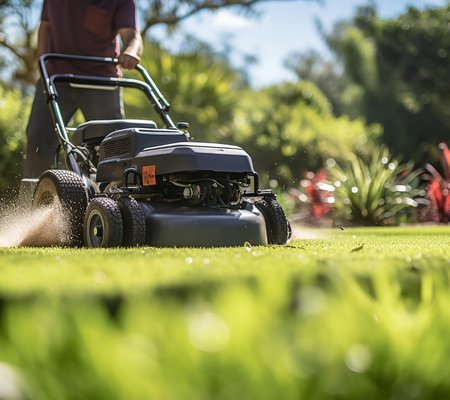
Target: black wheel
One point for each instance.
(133, 222)
(103, 225)
(68, 188)
(278, 227)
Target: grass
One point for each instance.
(60, 271)
(359, 313)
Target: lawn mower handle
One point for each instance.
(99, 60)
(160, 104)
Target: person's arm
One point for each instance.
(44, 38)
(132, 48)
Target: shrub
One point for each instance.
(289, 128)
(376, 192)
(13, 119)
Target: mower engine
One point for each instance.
(177, 171)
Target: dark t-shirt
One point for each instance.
(87, 27)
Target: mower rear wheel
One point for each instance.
(277, 225)
(103, 226)
(68, 188)
(133, 222)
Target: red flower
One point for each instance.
(318, 197)
(438, 191)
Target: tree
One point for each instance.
(311, 66)
(23, 15)
(400, 72)
(19, 16)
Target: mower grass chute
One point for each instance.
(129, 182)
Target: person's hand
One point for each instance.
(128, 61)
(132, 48)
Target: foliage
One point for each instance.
(399, 69)
(108, 324)
(201, 87)
(13, 118)
(289, 128)
(438, 190)
(376, 192)
(311, 66)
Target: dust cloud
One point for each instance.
(25, 226)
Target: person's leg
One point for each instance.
(42, 140)
(100, 104)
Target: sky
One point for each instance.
(282, 28)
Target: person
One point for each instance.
(82, 27)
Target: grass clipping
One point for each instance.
(43, 226)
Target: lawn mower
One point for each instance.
(129, 182)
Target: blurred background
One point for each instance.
(343, 106)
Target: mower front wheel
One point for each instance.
(103, 225)
(133, 222)
(277, 225)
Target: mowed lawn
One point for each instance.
(346, 314)
(65, 271)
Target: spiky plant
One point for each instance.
(374, 192)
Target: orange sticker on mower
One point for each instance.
(148, 175)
